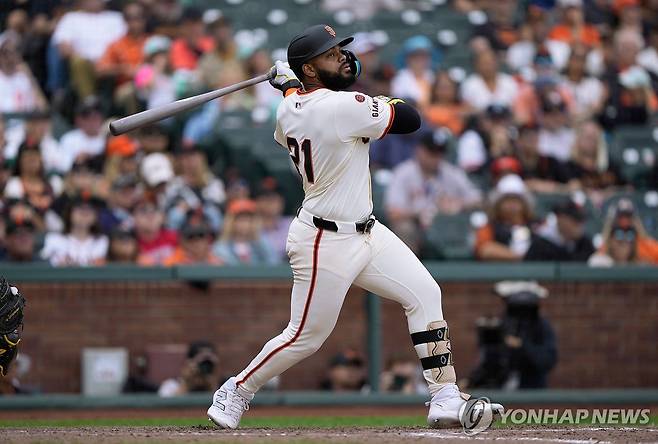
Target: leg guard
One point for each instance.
(433, 348)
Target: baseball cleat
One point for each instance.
(446, 407)
(228, 406)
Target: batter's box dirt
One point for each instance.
(132, 435)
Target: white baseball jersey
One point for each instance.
(328, 136)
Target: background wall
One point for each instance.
(606, 330)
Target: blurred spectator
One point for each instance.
(445, 107)
(157, 172)
(487, 85)
(414, 80)
(153, 139)
(346, 373)
(648, 57)
(199, 372)
(123, 196)
(155, 242)
(403, 376)
(428, 184)
(486, 137)
(499, 30)
(269, 206)
(29, 181)
(556, 137)
(20, 240)
(137, 381)
(89, 137)
(535, 41)
(507, 235)
(223, 57)
(242, 240)
(123, 247)
(36, 131)
(154, 80)
(195, 243)
(18, 88)
(367, 51)
(192, 43)
(121, 59)
(392, 150)
(266, 96)
(541, 174)
(629, 14)
(84, 178)
(587, 92)
(195, 188)
(81, 244)
(82, 36)
(625, 240)
(519, 350)
(589, 168)
(572, 27)
(562, 237)
(630, 100)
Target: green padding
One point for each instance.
(307, 398)
(442, 271)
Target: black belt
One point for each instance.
(361, 227)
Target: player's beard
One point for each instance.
(335, 81)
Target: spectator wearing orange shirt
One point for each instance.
(122, 58)
(446, 108)
(192, 43)
(573, 28)
(194, 243)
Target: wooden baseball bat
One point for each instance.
(147, 117)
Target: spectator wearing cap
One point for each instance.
(589, 168)
(572, 28)
(82, 243)
(270, 204)
(121, 200)
(242, 240)
(155, 242)
(195, 243)
(630, 98)
(123, 56)
(20, 239)
(562, 236)
(486, 137)
(157, 171)
(154, 80)
(223, 57)
(30, 183)
(187, 49)
(587, 91)
(84, 177)
(194, 188)
(123, 247)
(88, 138)
(487, 85)
(82, 36)
(556, 137)
(36, 131)
(19, 90)
(414, 80)
(625, 241)
(428, 184)
(541, 174)
(446, 107)
(507, 234)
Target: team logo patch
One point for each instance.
(360, 98)
(330, 30)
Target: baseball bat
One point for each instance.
(147, 117)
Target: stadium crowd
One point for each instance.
(550, 85)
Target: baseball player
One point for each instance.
(335, 241)
(11, 323)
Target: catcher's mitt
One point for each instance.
(11, 323)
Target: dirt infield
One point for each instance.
(202, 434)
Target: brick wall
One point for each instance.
(606, 331)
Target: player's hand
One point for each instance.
(284, 78)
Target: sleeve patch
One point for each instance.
(360, 98)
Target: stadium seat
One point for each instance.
(451, 235)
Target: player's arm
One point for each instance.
(357, 115)
(285, 79)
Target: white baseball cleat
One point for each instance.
(228, 406)
(446, 405)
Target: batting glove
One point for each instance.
(284, 78)
(355, 64)
(389, 100)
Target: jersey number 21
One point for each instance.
(293, 146)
